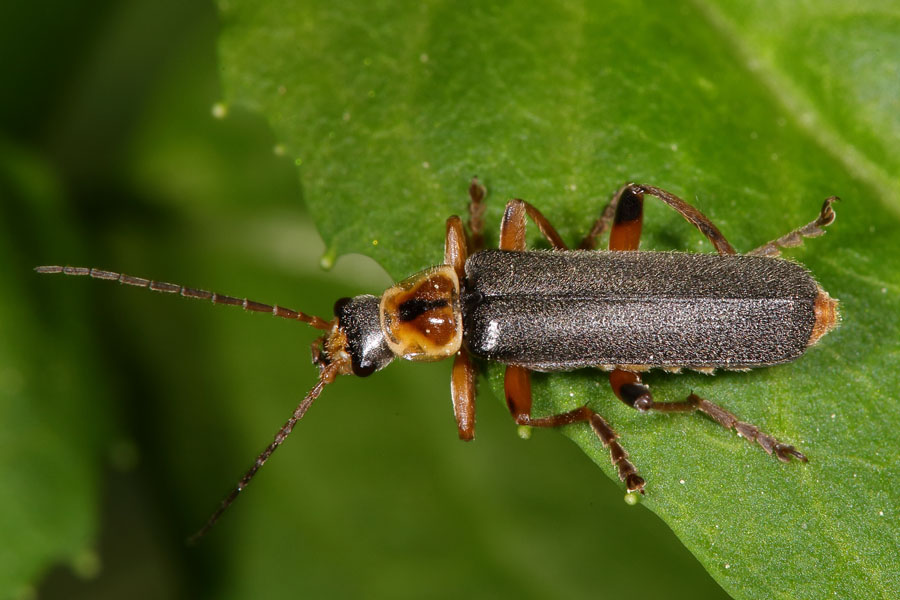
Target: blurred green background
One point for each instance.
(127, 415)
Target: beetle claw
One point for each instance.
(635, 483)
(784, 453)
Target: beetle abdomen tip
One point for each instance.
(827, 316)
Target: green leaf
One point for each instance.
(55, 419)
(752, 112)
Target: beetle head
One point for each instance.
(355, 341)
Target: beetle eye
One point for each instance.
(364, 370)
(339, 306)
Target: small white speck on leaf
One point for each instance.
(219, 110)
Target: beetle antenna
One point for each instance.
(171, 288)
(326, 376)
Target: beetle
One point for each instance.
(620, 310)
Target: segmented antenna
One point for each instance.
(171, 288)
(326, 376)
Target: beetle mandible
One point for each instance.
(621, 310)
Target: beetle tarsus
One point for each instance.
(477, 193)
(752, 433)
(784, 453)
(635, 483)
(795, 238)
(617, 454)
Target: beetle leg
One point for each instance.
(795, 238)
(603, 221)
(455, 250)
(628, 220)
(694, 216)
(477, 192)
(462, 379)
(628, 388)
(627, 206)
(512, 227)
(517, 385)
(462, 392)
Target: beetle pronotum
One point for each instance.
(622, 311)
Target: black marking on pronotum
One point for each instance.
(415, 308)
(623, 311)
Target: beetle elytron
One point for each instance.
(622, 311)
